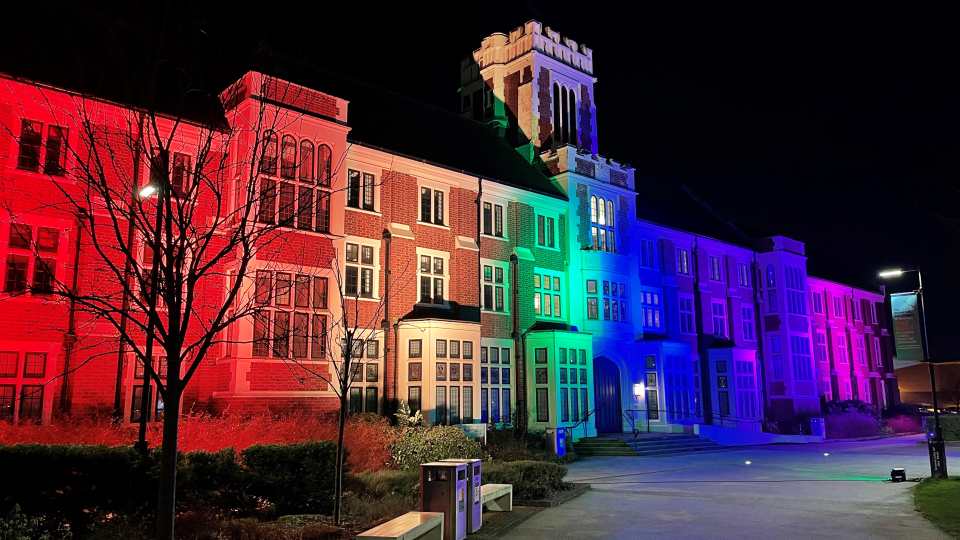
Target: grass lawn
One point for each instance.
(939, 501)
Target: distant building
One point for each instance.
(506, 268)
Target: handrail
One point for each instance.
(582, 421)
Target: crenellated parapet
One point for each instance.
(569, 158)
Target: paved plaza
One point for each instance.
(787, 491)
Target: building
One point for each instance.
(499, 270)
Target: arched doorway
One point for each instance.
(606, 380)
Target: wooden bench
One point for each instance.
(497, 497)
(425, 525)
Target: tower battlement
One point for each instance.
(500, 48)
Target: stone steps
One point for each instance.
(665, 444)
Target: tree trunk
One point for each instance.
(338, 481)
(166, 501)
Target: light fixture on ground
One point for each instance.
(937, 450)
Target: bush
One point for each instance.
(949, 423)
(531, 479)
(851, 424)
(295, 478)
(214, 482)
(422, 445)
(903, 424)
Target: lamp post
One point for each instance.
(639, 391)
(938, 455)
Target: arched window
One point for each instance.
(571, 121)
(288, 157)
(557, 106)
(602, 224)
(324, 164)
(306, 161)
(268, 159)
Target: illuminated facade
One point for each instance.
(511, 274)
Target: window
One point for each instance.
(796, 299)
(857, 314)
(324, 165)
(749, 325)
(31, 403)
(413, 398)
(817, 297)
(431, 206)
(547, 295)
(652, 309)
(359, 270)
(293, 201)
(859, 351)
(820, 347)
(31, 135)
(543, 405)
(8, 394)
(54, 162)
(838, 307)
(800, 347)
(842, 356)
(743, 275)
(776, 357)
(9, 364)
(370, 399)
(716, 273)
(877, 355)
(746, 389)
(441, 405)
(771, 286)
(494, 286)
(719, 311)
(602, 224)
(492, 219)
(683, 261)
(546, 231)
(415, 348)
(564, 115)
(34, 365)
(31, 260)
(432, 276)
(276, 305)
(360, 190)
(648, 253)
(686, 315)
(612, 296)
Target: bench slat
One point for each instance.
(409, 525)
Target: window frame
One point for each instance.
(503, 286)
(431, 274)
(432, 189)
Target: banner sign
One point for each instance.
(906, 329)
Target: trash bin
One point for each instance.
(817, 427)
(474, 504)
(443, 488)
(557, 441)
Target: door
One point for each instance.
(606, 380)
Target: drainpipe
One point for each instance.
(71, 338)
(385, 326)
(519, 348)
(706, 396)
(757, 310)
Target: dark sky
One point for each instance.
(837, 127)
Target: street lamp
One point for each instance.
(147, 191)
(938, 455)
(640, 391)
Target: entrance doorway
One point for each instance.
(606, 379)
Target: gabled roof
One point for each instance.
(389, 121)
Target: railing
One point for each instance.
(583, 421)
(633, 416)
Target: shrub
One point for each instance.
(214, 482)
(421, 445)
(294, 478)
(949, 424)
(383, 483)
(531, 479)
(903, 424)
(851, 424)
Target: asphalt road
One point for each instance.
(787, 491)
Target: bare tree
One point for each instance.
(171, 224)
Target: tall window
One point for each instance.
(746, 389)
(842, 356)
(749, 324)
(293, 200)
(877, 355)
(324, 165)
(857, 310)
(743, 275)
(771, 285)
(716, 273)
(360, 189)
(648, 253)
(564, 115)
(611, 296)
(820, 347)
(683, 261)
(31, 142)
(547, 295)
(719, 311)
(294, 307)
(31, 262)
(359, 270)
(800, 347)
(431, 206)
(776, 357)
(492, 219)
(860, 350)
(31, 138)
(838, 307)
(796, 298)
(686, 315)
(54, 162)
(652, 307)
(602, 224)
(546, 231)
(817, 297)
(432, 276)
(495, 384)
(494, 284)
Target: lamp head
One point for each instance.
(148, 191)
(890, 273)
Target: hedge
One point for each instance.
(949, 423)
(425, 444)
(80, 485)
(531, 479)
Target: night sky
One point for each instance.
(839, 128)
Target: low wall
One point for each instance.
(737, 437)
